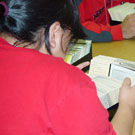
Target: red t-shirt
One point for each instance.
(42, 95)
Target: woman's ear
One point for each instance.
(55, 35)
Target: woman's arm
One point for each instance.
(124, 117)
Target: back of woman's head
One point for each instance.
(25, 17)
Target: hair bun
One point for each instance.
(4, 5)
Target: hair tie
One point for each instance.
(5, 6)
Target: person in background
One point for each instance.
(40, 94)
(95, 21)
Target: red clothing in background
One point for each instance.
(42, 95)
(95, 19)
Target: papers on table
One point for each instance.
(108, 74)
(107, 90)
(118, 13)
(77, 51)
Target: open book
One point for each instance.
(78, 51)
(108, 74)
(118, 13)
(107, 90)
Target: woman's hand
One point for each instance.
(127, 95)
(83, 65)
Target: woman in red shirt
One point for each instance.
(39, 93)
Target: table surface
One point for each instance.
(124, 49)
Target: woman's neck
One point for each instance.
(11, 40)
(15, 42)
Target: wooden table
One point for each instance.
(122, 49)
